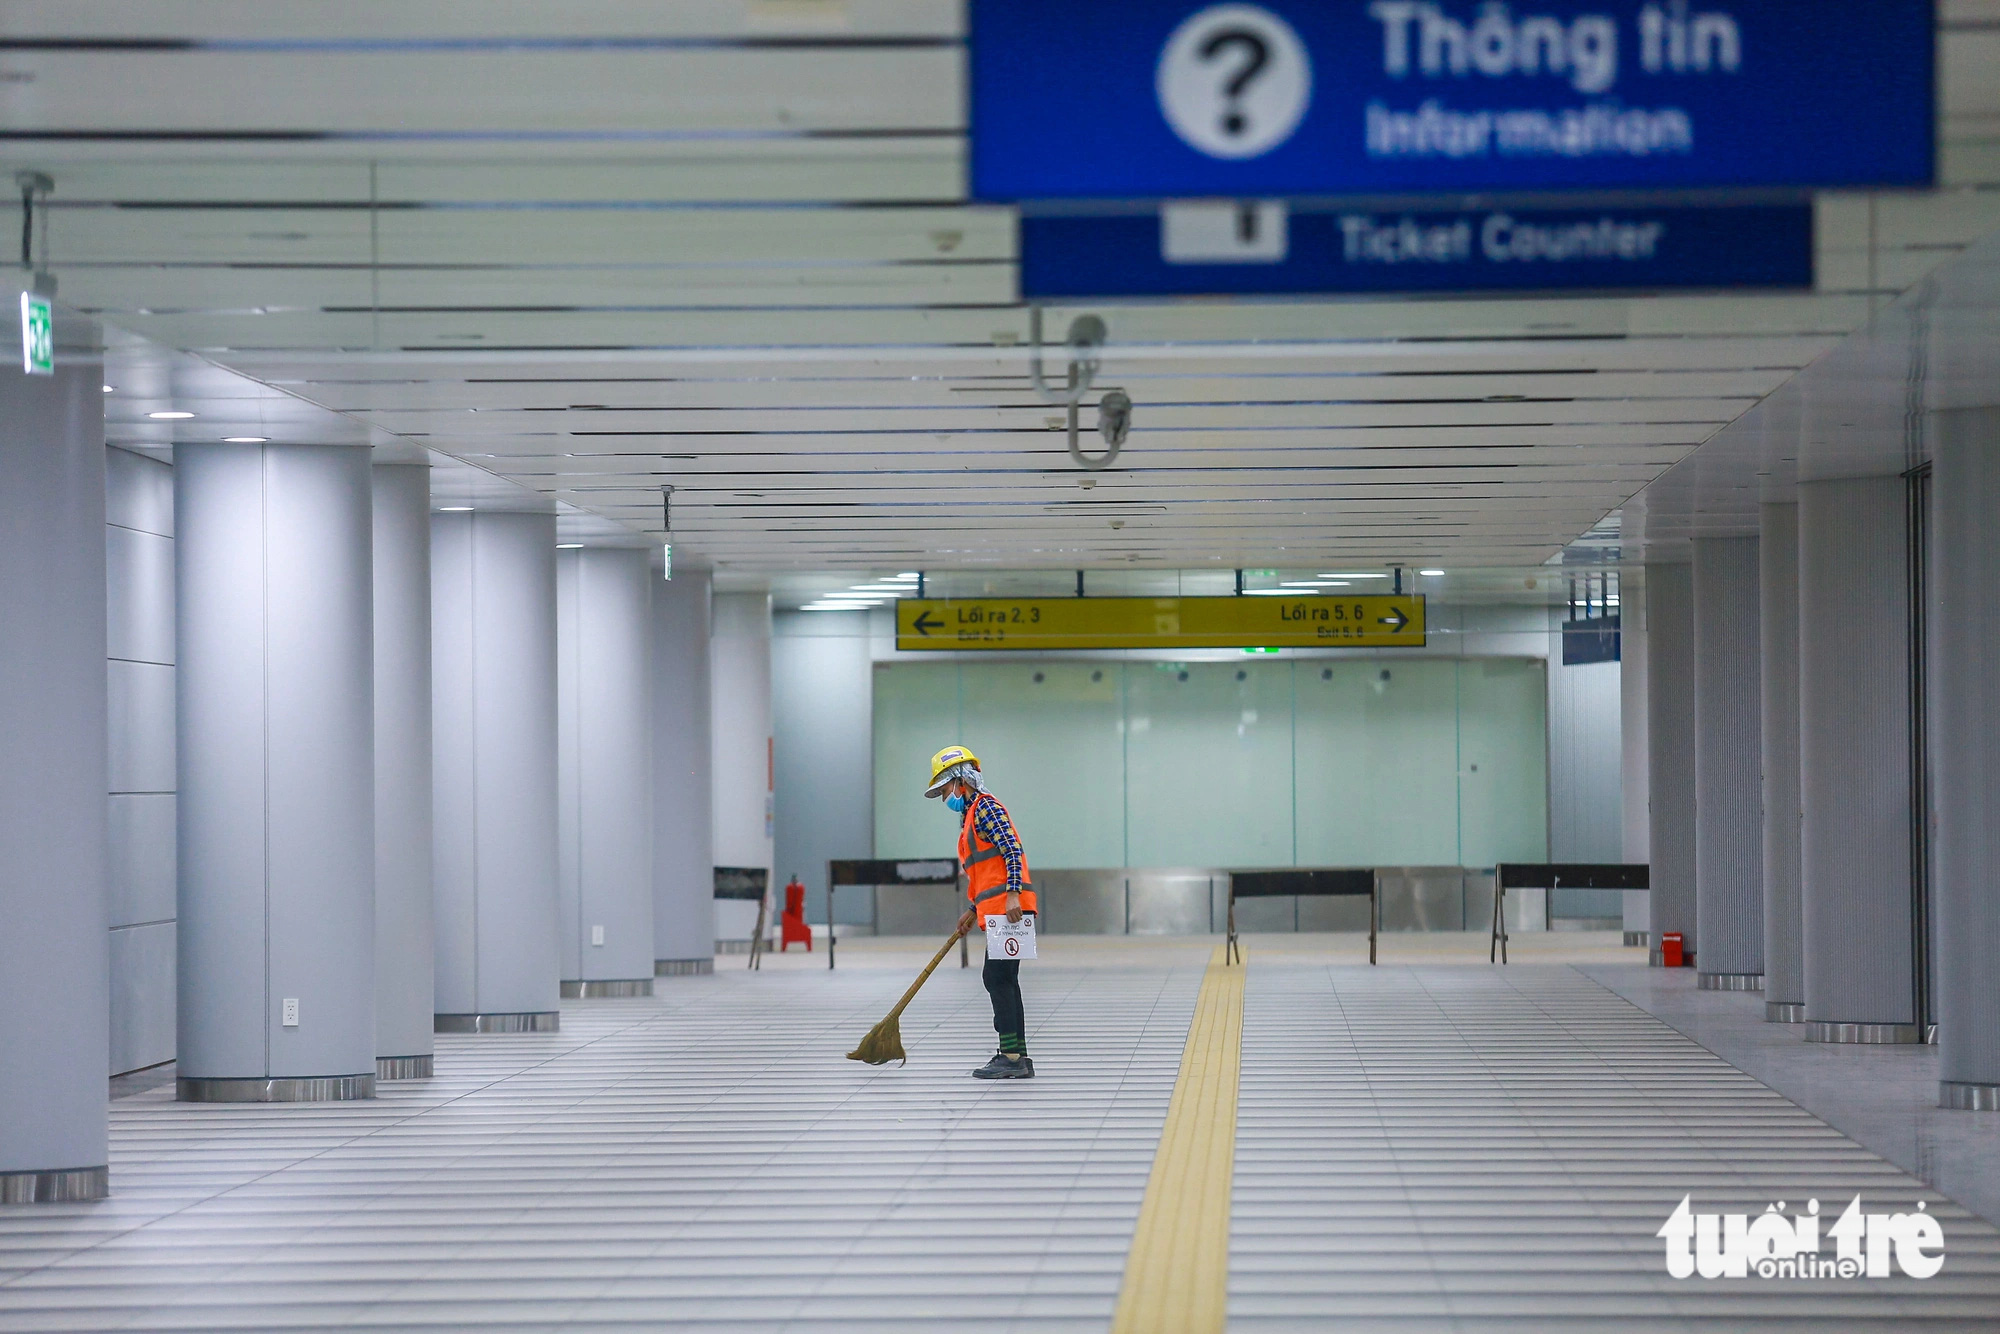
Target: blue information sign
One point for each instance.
(1206, 248)
(1162, 99)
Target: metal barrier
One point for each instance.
(1349, 883)
(1554, 876)
(875, 874)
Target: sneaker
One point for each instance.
(1000, 1067)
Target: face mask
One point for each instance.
(956, 802)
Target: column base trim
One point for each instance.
(405, 1067)
(64, 1185)
(1820, 1030)
(1784, 1012)
(312, 1088)
(732, 947)
(1657, 959)
(1962, 1097)
(683, 967)
(534, 1021)
(1638, 939)
(1730, 981)
(615, 989)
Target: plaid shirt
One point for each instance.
(990, 818)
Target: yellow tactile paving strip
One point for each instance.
(1177, 1274)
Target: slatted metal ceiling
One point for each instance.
(722, 244)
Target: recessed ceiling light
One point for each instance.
(246, 439)
(1354, 576)
(169, 416)
(454, 509)
(1431, 574)
(569, 546)
(110, 388)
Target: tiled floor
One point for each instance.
(1886, 1097)
(1443, 1148)
(1420, 1146)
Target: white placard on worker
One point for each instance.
(1010, 940)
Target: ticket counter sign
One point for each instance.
(1227, 247)
(1038, 624)
(1179, 99)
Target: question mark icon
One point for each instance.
(1234, 81)
(1256, 55)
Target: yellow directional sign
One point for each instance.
(1312, 621)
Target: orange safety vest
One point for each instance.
(985, 866)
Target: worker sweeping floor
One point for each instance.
(1416, 1146)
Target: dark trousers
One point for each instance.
(1003, 983)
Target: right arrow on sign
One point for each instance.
(1395, 620)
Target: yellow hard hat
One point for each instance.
(944, 762)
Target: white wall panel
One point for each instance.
(138, 492)
(141, 696)
(740, 691)
(142, 858)
(141, 840)
(142, 996)
(139, 572)
(1585, 814)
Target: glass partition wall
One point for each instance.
(1300, 762)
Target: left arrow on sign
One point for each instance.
(923, 625)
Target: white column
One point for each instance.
(405, 954)
(740, 746)
(1965, 739)
(1784, 957)
(55, 981)
(823, 710)
(1670, 750)
(1728, 760)
(493, 627)
(1636, 843)
(276, 705)
(683, 830)
(1854, 761)
(605, 771)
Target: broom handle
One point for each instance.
(924, 976)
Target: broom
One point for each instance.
(884, 1042)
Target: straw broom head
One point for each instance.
(883, 1044)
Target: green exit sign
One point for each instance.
(38, 335)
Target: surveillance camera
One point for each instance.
(1114, 417)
